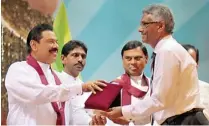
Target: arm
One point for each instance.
(23, 85)
(166, 76)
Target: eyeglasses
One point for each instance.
(146, 24)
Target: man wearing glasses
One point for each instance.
(174, 96)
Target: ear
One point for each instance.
(146, 59)
(161, 26)
(63, 58)
(33, 45)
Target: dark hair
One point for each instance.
(71, 45)
(188, 47)
(36, 34)
(132, 45)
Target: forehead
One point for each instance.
(134, 52)
(146, 17)
(193, 53)
(48, 35)
(77, 50)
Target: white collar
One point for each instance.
(44, 66)
(68, 76)
(161, 42)
(137, 78)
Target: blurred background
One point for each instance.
(105, 26)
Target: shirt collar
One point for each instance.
(68, 76)
(44, 66)
(137, 78)
(161, 42)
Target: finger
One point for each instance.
(92, 89)
(99, 83)
(104, 120)
(97, 88)
(94, 120)
(99, 120)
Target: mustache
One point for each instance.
(79, 63)
(53, 50)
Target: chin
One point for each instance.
(51, 61)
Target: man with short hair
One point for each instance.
(35, 93)
(174, 96)
(73, 57)
(134, 82)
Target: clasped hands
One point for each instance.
(114, 114)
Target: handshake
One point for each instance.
(113, 114)
(102, 108)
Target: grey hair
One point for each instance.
(161, 12)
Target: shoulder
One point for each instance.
(203, 84)
(21, 72)
(173, 50)
(19, 67)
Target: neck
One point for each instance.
(69, 73)
(134, 75)
(160, 38)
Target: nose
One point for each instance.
(140, 29)
(55, 45)
(133, 61)
(80, 58)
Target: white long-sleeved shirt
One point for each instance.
(29, 100)
(75, 114)
(175, 87)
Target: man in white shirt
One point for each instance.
(134, 82)
(175, 96)
(74, 59)
(204, 86)
(35, 94)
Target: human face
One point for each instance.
(47, 48)
(149, 29)
(74, 62)
(134, 61)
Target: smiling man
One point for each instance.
(175, 94)
(35, 94)
(134, 81)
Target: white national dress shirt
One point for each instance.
(75, 114)
(175, 85)
(29, 100)
(136, 82)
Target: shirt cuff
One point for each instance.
(127, 112)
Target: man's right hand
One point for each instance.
(93, 86)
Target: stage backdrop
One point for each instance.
(106, 25)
